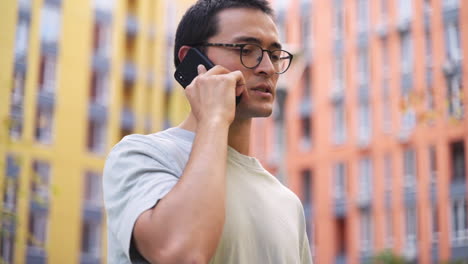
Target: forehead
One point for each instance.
(241, 23)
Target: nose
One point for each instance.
(265, 66)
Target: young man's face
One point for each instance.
(252, 26)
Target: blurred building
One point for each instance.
(75, 77)
(371, 127)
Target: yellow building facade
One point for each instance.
(75, 77)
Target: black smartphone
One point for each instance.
(187, 69)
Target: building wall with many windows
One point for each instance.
(371, 126)
(76, 77)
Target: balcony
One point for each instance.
(340, 207)
(97, 112)
(305, 107)
(131, 25)
(337, 95)
(36, 255)
(102, 16)
(339, 46)
(460, 245)
(410, 192)
(49, 48)
(382, 29)
(451, 10)
(404, 24)
(364, 200)
(100, 62)
(46, 99)
(363, 93)
(363, 39)
(458, 189)
(452, 67)
(130, 72)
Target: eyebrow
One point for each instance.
(255, 41)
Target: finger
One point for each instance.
(217, 70)
(240, 82)
(201, 69)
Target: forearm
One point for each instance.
(189, 221)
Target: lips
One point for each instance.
(262, 88)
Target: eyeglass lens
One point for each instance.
(252, 56)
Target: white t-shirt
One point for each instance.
(264, 220)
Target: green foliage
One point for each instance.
(388, 257)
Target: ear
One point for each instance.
(183, 51)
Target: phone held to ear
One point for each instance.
(187, 69)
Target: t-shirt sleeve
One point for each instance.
(137, 174)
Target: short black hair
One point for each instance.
(200, 22)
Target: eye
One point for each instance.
(246, 51)
(274, 58)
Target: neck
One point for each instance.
(239, 132)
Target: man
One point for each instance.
(190, 194)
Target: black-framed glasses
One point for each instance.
(251, 55)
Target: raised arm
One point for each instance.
(186, 225)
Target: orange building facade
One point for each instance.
(371, 127)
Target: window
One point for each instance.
(38, 212)
(21, 42)
(434, 224)
(458, 162)
(365, 178)
(7, 240)
(405, 9)
(410, 230)
(409, 163)
(338, 16)
(17, 106)
(366, 227)
(340, 181)
(91, 240)
(364, 132)
(44, 125)
(384, 8)
(455, 97)
(363, 67)
(388, 173)
(339, 75)
(432, 165)
(102, 38)
(105, 5)
(91, 232)
(362, 15)
(307, 186)
(10, 185)
(93, 189)
(406, 53)
(50, 24)
(9, 212)
(459, 218)
(389, 228)
(451, 3)
(40, 183)
(386, 101)
(339, 129)
(99, 88)
(47, 73)
(97, 136)
(305, 24)
(453, 41)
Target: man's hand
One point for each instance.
(212, 94)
